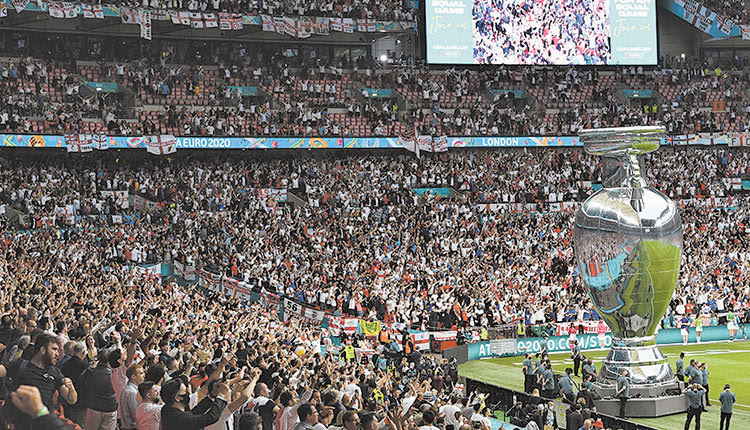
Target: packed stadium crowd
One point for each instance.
(208, 213)
(363, 245)
(330, 98)
(737, 11)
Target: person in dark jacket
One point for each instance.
(176, 414)
(574, 419)
(73, 368)
(6, 332)
(101, 403)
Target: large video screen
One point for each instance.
(554, 32)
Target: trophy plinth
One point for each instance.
(628, 243)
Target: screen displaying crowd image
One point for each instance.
(552, 32)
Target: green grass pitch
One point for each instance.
(727, 363)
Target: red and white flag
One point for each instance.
(279, 25)
(424, 143)
(348, 25)
(129, 16)
(162, 144)
(409, 143)
(88, 11)
(100, 142)
(267, 23)
(70, 10)
(210, 20)
(56, 10)
(196, 20)
(336, 24)
(440, 144)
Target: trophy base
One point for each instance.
(643, 407)
(654, 391)
(644, 361)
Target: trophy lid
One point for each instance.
(621, 141)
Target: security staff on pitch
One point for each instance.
(589, 369)
(623, 391)
(548, 381)
(539, 373)
(680, 365)
(694, 394)
(576, 356)
(727, 399)
(528, 374)
(566, 387)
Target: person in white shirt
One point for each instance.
(148, 412)
(289, 416)
(128, 397)
(479, 417)
(452, 413)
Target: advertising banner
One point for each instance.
(560, 343)
(138, 142)
(437, 192)
(479, 350)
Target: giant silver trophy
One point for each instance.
(628, 242)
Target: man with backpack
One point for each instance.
(38, 372)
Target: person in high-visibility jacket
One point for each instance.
(521, 328)
(484, 335)
(408, 345)
(384, 337)
(349, 353)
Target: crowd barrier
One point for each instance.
(505, 399)
(103, 142)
